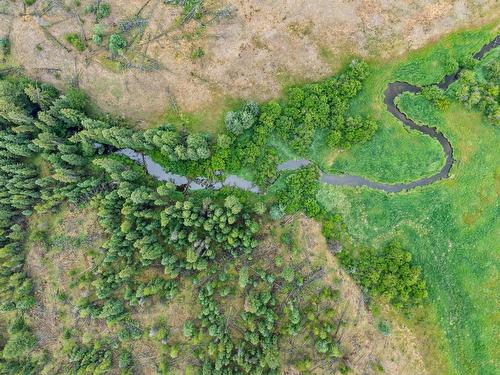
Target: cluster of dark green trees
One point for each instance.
(320, 320)
(273, 314)
(312, 111)
(156, 226)
(317, 111)
(18, 196)
(298, 192)
(95, 357)
(16, 350)
(46, 161)
(36, 123)
(324, 107)
(389, 274)
(257, 350)
(480, 89)
(89, 359)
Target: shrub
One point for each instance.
(224, 141)
(116, 44)
(192, 8)
(480, 89)
(243, 277)
(384, 327)
(468, 62)
(259, 208)
(299, 191)
(98, 35)
(355, 130)
(188, 329)
(333, 227)
(239, 121)
(288, 274)
(125, 359)
(101, 10)
(77, 98)
(4, 48)
(19, 345)
(492, 71)
(76, 41)
(436, 96)
(197, 53)
(277, 212)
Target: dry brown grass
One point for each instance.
(250, 55)
(364, 346)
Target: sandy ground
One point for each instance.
(261, 46)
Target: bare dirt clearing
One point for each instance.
(237, 49)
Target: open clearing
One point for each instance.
(257, 49)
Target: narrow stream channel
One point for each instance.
(394, 89)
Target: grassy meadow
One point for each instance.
(209, 120)
(452, 227)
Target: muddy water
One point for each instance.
(393, 90)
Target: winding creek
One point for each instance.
(394, 89)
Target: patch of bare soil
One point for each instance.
(367, 349)
(240, 48)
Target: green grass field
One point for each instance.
(208, 120)
(396, 154)
(452, 227)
